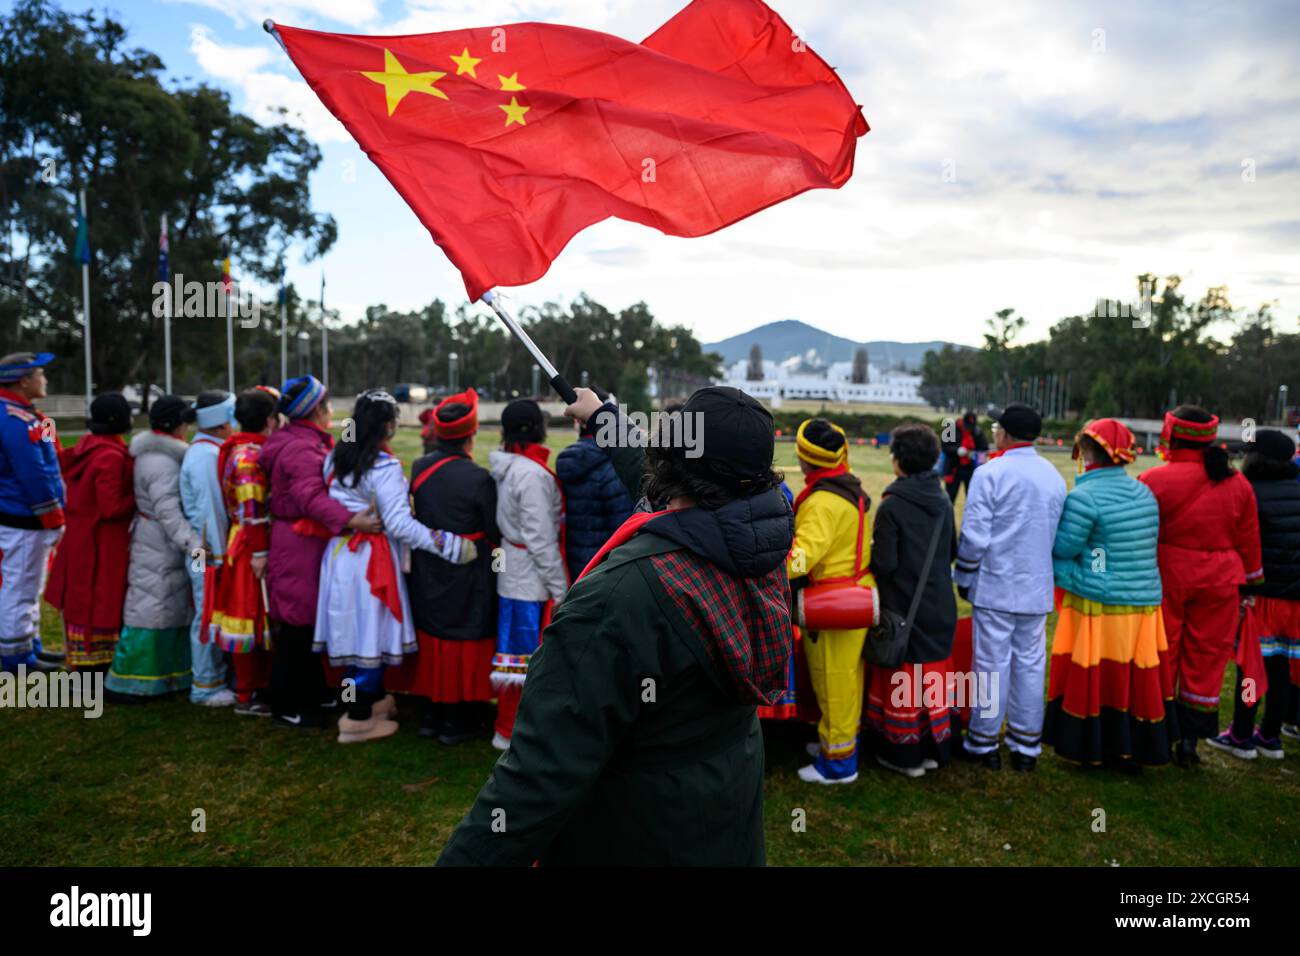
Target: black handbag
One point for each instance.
(886, 643)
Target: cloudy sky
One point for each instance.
(1090, 142)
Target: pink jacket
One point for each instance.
(293, 460)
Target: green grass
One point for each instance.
(121, 790)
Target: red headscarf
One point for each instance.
(1113, 436)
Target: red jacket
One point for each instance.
(88, 579)
(1209, 533)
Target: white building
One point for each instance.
(834, 383)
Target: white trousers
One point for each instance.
(23, 558)
(1013, 646)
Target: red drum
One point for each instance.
(838, 607)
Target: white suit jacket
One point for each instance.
(1005, 552)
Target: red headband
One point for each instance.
(1201, 433)
(461, 427)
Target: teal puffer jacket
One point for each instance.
(1106, 542)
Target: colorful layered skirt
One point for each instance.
(1274, 625)
(87, 647)
(1105, 699)
(910, 713)
(238, 615)
(151, 662)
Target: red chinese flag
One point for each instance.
(506, 141)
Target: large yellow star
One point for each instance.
(397, 82)
(466, 63)
(511, 82)
(515, 112)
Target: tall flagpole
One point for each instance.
(164, 275)
(284, 330)
(230, 324)
(324, 338)
(83, 253)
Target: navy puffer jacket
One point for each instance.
(595, 501)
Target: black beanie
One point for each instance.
(1272, 444)
(110, 414)
(169, 413)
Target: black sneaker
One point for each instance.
(1023, 763)
(429, 725)
(298, 721)
(989, 761)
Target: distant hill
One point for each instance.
(780, 340)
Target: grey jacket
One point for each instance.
(529, 512)
(158, 586)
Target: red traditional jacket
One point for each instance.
(1209, 532)
(88, 579)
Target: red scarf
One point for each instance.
(1019, 444)
(381, 573)
(625, 533)
(819, 474)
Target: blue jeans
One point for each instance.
(208, 663)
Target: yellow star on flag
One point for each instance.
(514, 112)
(511, 82)
(466, 63)
(397, 82)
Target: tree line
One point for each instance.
(1131, 358)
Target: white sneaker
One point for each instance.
(929, 764)
(1291, 730)
(810, 774)
(501, 743)
(912, 772)
(813, 749)
(222, 698)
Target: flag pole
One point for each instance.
(230, 328)
(85, 295)
(284, 330)
(324, 338)
(562, 387)
(164, 269)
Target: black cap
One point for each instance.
(110, 414)
(1020, 421)
(1273, 444)
(737, 436)
(169, 413)
(522, 420)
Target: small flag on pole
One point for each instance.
(83, 237)
(164, 261)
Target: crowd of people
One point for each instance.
(632, 612)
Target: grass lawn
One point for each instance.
(122, 790)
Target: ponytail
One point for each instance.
(1217, 466)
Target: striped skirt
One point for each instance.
(1105, 701)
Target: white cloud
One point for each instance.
(266, 92)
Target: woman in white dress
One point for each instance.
(363, 615)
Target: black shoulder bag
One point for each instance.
(886, 643)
